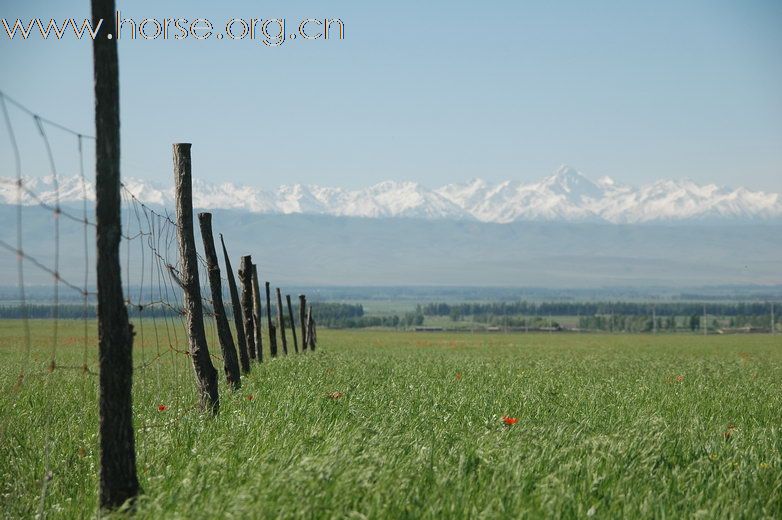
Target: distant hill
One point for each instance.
(304, 249)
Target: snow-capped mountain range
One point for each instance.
(565, 196)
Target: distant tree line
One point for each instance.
(516, 322)
(77, 312)
(594, 309)
(597, 316)
(621, 322)
(46, 311)
(351, 316)
(331, 315)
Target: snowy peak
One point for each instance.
(571, 184)
(410, 199)
(566, 195)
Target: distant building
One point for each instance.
(429, 329)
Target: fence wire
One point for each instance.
(62, 255)
(151, 269)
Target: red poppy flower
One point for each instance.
(729, 432)
(509, 421)
(162, 408)
(250, 397)
(679, 378)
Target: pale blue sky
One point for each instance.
(434, 91)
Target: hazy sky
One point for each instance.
(431, 91)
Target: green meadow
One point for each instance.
(379, 424)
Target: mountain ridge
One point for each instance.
(567, 195)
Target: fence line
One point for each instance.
(152, 268)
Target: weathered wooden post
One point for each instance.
(206, 375)
(311, 333)
(236, 305)
(272, 328)
(257, 314)
(293, 323)
(118, 479)
(303, 321)
(281, 322)
(230, 360)
(246, 279)
(273, 335)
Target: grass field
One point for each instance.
(608, 426)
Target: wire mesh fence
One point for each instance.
(48, 244)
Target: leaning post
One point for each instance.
(293, 323)
(303, 321)
(230, 360)
(236, 305)
(281, 322)
(257, 314)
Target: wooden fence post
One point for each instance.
(236, 305)
(281, 322)
(224, 336)
(257, 314)
(246, 279)
(303, 321)
(293, 322)
(311, 334)
(118, 479)
(272, 328)
(206, 375)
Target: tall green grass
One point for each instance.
(609, 426)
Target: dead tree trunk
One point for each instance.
(236, 305)
(272, 328)
(246, 279)
(118, 480)
(303, 321)
(257, 314)
(206, 375)
(230, 360)
(293, 322)
(281, 322)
